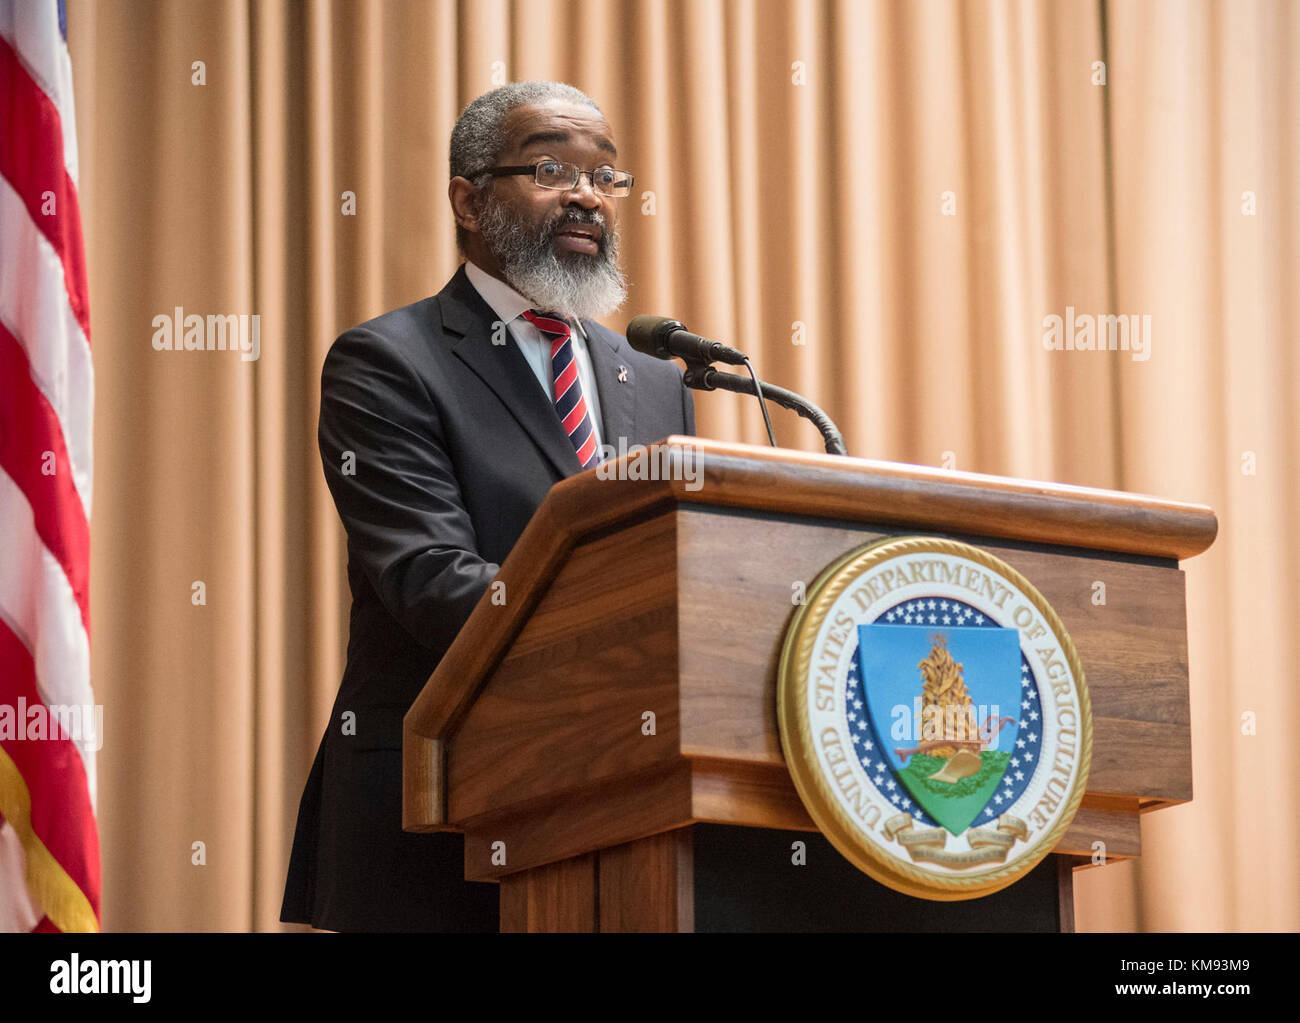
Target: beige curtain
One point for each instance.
(881, 200)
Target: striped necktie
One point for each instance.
(570, 402)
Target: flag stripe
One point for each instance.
(57, 894)
(49, 839)
(37, 173)
(59, 808)
(29, 27)
(17, 907)
(38, 605)
(34, 456)
(34, 309)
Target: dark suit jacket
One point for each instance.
(438, 446)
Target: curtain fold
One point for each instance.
(881, 201)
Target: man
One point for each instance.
(441, 430)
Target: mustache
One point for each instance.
(568, 218)
(524, 247)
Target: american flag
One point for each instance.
(49, 844)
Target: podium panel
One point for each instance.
(616, 718)
(716, 878)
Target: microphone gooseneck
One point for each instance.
(665, 338)
(706, 378)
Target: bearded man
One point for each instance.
(442, 427)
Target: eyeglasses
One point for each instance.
(564, 176)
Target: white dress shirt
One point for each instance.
(509, 306)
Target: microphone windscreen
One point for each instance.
(644, 334)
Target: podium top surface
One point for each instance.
(785, 481)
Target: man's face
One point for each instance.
(558, 248)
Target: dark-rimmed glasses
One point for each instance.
(563, 176)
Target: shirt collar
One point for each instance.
(507, 303)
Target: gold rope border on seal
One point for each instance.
(800, 753)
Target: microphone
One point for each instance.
(664, 338)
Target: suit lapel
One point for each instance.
(617, 396)
(505, 370)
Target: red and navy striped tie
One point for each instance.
(570, 402)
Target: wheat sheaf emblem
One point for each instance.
(947, 709)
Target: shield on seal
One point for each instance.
(946, 701)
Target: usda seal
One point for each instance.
(934, 717)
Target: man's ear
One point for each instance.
(465, 201)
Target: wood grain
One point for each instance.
(922, 497)
(580, 821)
(562, 714)
(1065, 885)
(647, 886)
(1119, 831)
(631, 599)
(1133, 649)
(555, 898)
(770, 481)
(567, 705)
(739, 792)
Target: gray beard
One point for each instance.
(574, 284)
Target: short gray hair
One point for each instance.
(476, 140)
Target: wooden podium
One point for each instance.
(636, 605)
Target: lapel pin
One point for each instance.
(622, 374)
